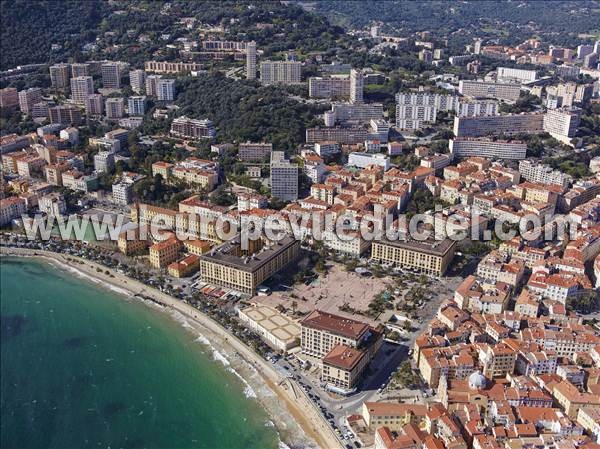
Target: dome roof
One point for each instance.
(477, 380)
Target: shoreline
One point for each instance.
(253, 372)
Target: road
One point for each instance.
(336, 408)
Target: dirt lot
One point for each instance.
(330, 292)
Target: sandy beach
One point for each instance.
(291, 411)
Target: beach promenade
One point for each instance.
(294, 400)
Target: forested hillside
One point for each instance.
(507, 20)
(31, 27)
(242, 112)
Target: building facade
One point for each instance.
(431, 257)
(488, 148)
(509, 124)
(280, 72)
(284, 177)
(188, 128)
(81, 88)
(231, 267)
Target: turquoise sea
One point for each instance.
(83, 368)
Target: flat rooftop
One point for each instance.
(280, 326)
(429, 246)
(225, 254)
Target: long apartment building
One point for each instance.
(441, 102)
(414, 117)
(509, 74)
(484, 89)
(543, 174)
(280, 72)
(65, 114)
(164, 67)
(428, 256)
(346, 87)
(488, 148)
(476, 108)
(329, 87)
(357, 112)
(188, 128)
(342, 135)
(229, 46)
(230, 266)
(415, 109)
(254, 151)
(509, 124)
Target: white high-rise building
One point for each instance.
(111, 75)
(59, 75)
(329, 118)
(136, 105)
(584, 50)
(415, 109)
(476, 108)
(284, 177)
(380, 130)
(165, 89)
(414, 117)
(477, 47)
(137, 80)
(280, 72)
(104, 161)
(94, 106)
(81, 88)
(356, 86)
(508, 74)
(151, 84)
(122, 192)
(29, 97)
(251, 60)
(562, 123)
(114, 108)
(425, 98)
